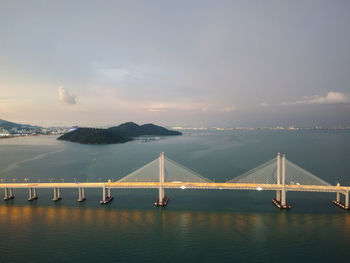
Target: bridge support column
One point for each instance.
(162, 199)
(11, 196)
(32, 194)
(338, 193)
(109, 198)
(283, 199)
(278, 195)
(104, 192)
(6, 195)
(81, 195)
(278, 192)
(56, 195)
(161, 195)
(339, 203)
(282, 203)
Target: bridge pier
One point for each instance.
(278, 192)
(162, 198)
(281, 200)
(6, 195)
(56, 194)
(32, 194)
(338, 193)
(109, 198)
(338, 201)
(11, 196)
(81, 194)
(278, 195)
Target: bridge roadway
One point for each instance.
(182, 185)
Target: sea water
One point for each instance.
(197, 225)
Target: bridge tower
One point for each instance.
(281, 201)
(278, 192)
(161, 179)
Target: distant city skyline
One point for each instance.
(191, 64)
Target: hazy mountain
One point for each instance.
(10, 125)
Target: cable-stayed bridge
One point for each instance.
(279, 175)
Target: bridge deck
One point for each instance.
(182, 185)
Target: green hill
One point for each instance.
(131, 129)
(93, 136)
(119, 134)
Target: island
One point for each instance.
(119, 134)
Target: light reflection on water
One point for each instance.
(25, 226)
(22, 215)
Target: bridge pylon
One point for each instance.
(162, 199)
(281, 199)
(278, 192)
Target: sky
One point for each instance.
(175, 63)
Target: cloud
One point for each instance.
(113, 74)
(230, 109)
(65, 97)
(155, 110)
(264, 104)
(331, 98)
(182, 105)
(5, 100)
(185, 105)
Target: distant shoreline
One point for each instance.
(23, 136)
(198, 130)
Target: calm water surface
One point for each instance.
(197, 226)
